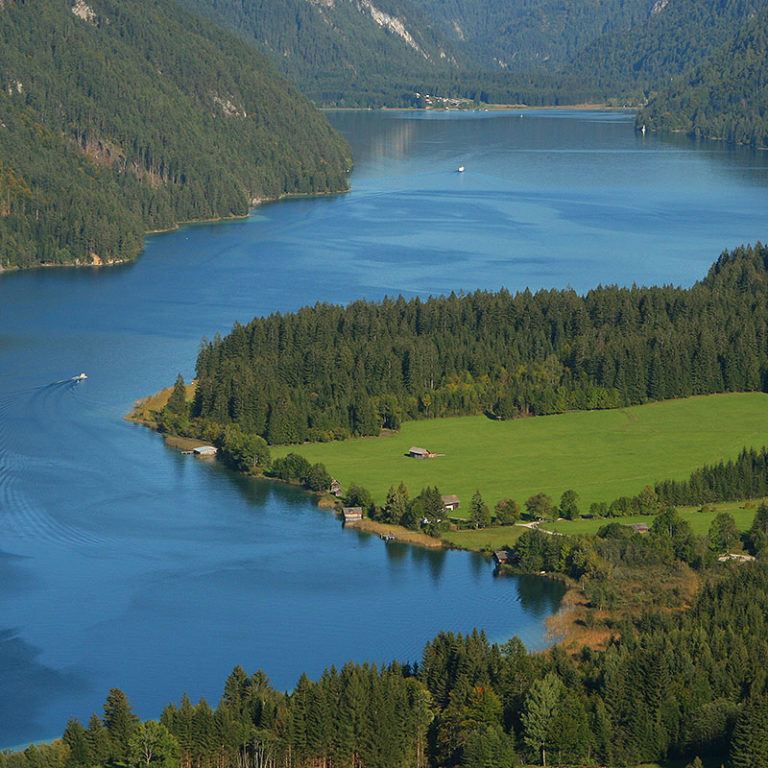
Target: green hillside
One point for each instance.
(385, 52)
(600, 454)
(677, 36)
(343, 53)
(725, 97)
(524, 35)
(118, 118)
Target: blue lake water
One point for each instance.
(124, 563)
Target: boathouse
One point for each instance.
(204, 450)
(450, 503)
(502, 557)
(348, 514)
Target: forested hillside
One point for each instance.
(671, 685)
(390, 52)
(724, 97)
(118, 118)
(341, 52)
(526, 35)
(385, 52)
(677, 36)
(327, 371)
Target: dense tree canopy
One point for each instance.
(119, 118)
(669, 685)
(722, 98)
(326, 371)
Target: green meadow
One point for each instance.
(600, 454)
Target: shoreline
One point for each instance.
(565, 627)
(490, 108)
(402, 535)
(98, 263)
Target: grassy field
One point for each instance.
(743, 513)
(600, 454)
(489, 539)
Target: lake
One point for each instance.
(126, 564)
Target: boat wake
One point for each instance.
(28, 466)
(71, 380)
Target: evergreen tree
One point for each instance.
(98, 740)
(177, 402)
(749, 747)
(76, 738)
(120, 722)
(538, 715)
(397, 504)
(479, 513)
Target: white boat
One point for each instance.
(460, 169)
(79, 377)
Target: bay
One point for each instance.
(125, 564)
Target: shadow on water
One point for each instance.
(479, 564)
(29, 685)
(14, 577)
(539, 596)
(396, 551)
(433, 559)
(258, 492)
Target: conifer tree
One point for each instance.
(479, 513)
(75, 737)
(538, 715)
(120, 722)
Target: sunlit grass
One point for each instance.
(600, 454)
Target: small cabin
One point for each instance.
(204, 450)
(420, 453)
(335, 488)
(638, 527)
(450, 503)
(502, 557)
(348, 514)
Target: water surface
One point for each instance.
(124, 563)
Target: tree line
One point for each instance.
(666, 685)
(327, 372)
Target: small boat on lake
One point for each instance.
(79, 377)
(460, 169)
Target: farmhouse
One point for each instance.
(335, 488)
(351, 513)
(420, 453)
(450, 503)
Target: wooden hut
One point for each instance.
(348, 514)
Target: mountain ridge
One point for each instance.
(122, 119)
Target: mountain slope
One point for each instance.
(348, 46)
(678, 35)
(117, 118)
(524, 35)
(725, 97)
